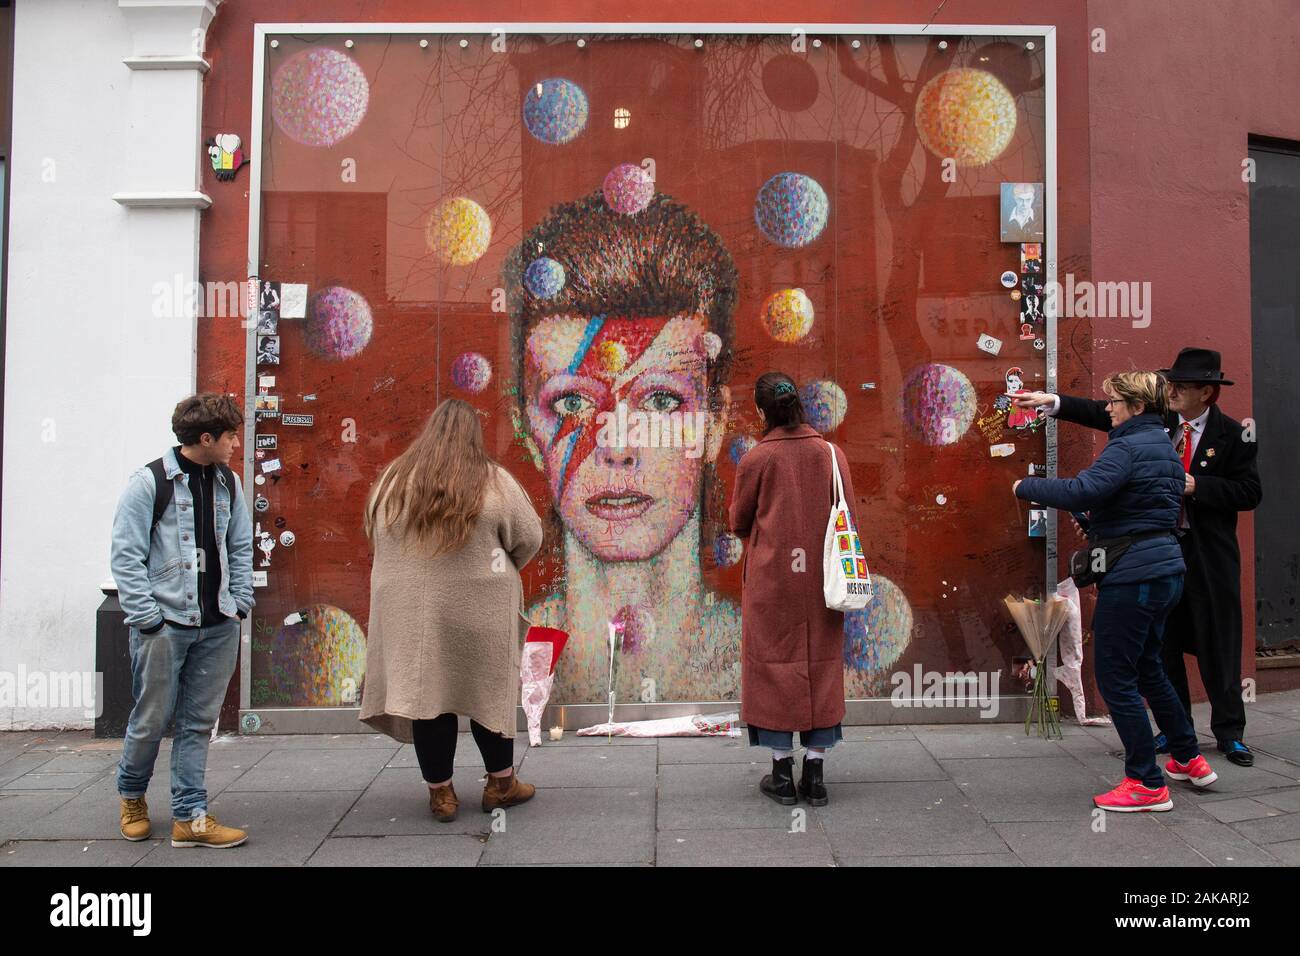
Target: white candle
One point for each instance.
(557, 733)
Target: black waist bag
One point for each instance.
(1089, 565)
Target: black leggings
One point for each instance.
(435, 747)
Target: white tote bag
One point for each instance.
(845, 580)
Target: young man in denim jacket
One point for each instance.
(184, 576)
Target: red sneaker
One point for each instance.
(1132, 796)
(1197, 770)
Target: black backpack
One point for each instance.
(163, 490)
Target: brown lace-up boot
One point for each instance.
(505, 792)
(443, 802)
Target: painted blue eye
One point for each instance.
(662, 402)
(572, 404)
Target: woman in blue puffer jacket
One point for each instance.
(1134, 489)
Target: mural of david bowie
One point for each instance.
(642, 319)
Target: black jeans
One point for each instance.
(435, 747)
(1128, 623)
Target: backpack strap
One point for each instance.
(163, 490)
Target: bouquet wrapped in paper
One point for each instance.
(696, 725)
(542, 649)
(1070, 673)
(1039, 622)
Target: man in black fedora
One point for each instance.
(1219, 459)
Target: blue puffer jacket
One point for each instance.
(1136, 484)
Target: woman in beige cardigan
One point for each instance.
(450, 530)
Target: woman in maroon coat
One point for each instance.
(792, 645)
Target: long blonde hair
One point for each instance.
(435, 489)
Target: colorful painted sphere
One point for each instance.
(727, 549)
(966, 115)
(318, 662)
(938, 404)
(628, 189)
(318, 97)
(555, 111)
(788, 315)
(612, 356)
(544, 277)
(339, 323)
(825, 404)
(471, 371)
(458, 231)
(876, 636)
(791, 209)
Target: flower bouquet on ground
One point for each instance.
(1039, 622)
(696, 725)
(542, 649)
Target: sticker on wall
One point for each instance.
(225, 150)
(1022, 212)
(287, 538)
(988, 343)
(293, 300)
(267, 441)
(268, 296)
(280, 522)
(1040, 344)
(266, 406)
(307, 420)
(259, 579)
(1037, 523)
(1027, 333)
(1015, 295)
(268, 322)
(270, 466)
(259, 479)
(1018, 417)
(1031, 258)
(251, 723)
(266, 381)
(1009, 279)
(266, 544)
(309, 398)
(260, 503)
(1031, 308)
(1002, 450)
(1037, 470)
(1032, 285)
(268, 350)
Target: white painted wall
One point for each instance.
(91, 373)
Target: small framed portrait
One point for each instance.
(1037, 523)
(268, 350)
(268, 322)
(269, 296)
(267, 406)
(1022, 212)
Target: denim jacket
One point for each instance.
(157, 574)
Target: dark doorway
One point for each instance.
(1275, 323)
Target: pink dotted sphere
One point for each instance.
(628, 189)
(471, 371)
(339, 323)
(318, 97)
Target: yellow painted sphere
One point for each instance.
(788, 315)
(459, 231)
(966, 115)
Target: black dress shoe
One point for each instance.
(1238, 753)
(779, 784)
(811, 787)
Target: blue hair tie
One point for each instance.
(783, 388)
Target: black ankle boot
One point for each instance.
(779, 784)
(811, 787)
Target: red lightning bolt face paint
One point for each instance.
(624, 500)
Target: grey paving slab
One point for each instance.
(571, 739)
(21, 764)
(1285, 745)
(574, 825)
(1261, 723)
(999, 740)
(78, 761)
(1287, 852)
(904, 819)
(1237, 809)
(717, 797)
(321, 741)
(1005, 789)
(711, 750)
(467, 754)
(284, 829)
(1278, 829)
(67, 739)
(895, 758)
(962, 859)
(1128, 840)
(448, 850)
(397, 804)
(1220, 844)
(1241, 781)
(20, 809)
(879, 732)
(39, 780)
(590, 767)
(1288, 800)
(93, 813)
(79, 853)
(315, 769)
(1284, 703)
(743, 848)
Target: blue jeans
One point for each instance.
(1129, 623)
(823, 738)
(182, 672)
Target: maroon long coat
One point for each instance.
(792, 645)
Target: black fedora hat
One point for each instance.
(1197, 366)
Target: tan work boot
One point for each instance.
(205, 831)
(443, 803)
(134, 814)
(505, 792)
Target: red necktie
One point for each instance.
(1187, 446)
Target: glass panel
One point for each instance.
(546, 230)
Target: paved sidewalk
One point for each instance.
(945, 795)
